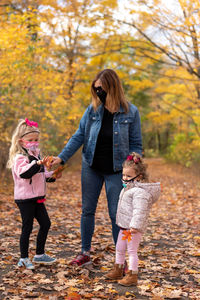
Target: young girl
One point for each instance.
(134, 204)
(29, 176)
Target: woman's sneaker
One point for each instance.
(44, 259)
(25, 262)
(81, 260)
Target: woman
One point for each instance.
(109, 130)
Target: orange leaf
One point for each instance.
(127, 235)
(73, 296)
(57, 171)
(49, 161)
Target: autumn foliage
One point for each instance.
(169, 266)
(51, 50)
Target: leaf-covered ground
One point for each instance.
(169, 253)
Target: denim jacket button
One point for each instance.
(115, 121)
(116, 132)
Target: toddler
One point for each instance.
(135, 201)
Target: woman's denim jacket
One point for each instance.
(126, 135)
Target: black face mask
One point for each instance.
(101, 94)
(125, 182)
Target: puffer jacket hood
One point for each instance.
(153, 188)
(135, 202)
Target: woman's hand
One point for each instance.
(56, 160)
(133, 230)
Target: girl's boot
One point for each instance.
(116, 273)
(129, 279)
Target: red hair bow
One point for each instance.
(136, 159)
(129, 157)
(31, 123)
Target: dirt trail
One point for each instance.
(169, 252)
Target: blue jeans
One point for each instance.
(92, 182)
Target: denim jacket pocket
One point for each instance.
(125, 121)
(124, 125)
(92, 117)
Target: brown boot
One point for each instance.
(129, 279)
(116, 273)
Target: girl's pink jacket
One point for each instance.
(29, 178)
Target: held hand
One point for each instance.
(56, 160)
(133, 230)
(42, 161)
(46, 161)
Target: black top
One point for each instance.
(103, 156)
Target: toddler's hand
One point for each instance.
(133, 230)
(46, 161)
(42, 161)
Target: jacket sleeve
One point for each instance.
(24, 169)
(76, 140)
(135, 136)
(48, 175)
(141, 201)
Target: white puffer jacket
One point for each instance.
(134, 205)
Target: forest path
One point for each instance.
(169, 252)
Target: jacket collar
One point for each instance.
(100, 109)
(29, 153)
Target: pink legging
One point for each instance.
(131, 246)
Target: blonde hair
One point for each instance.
(22, 129)
(135, 161)
(111, 84)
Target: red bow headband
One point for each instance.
(31, 123)
(135, 159)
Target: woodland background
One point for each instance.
(50, 51)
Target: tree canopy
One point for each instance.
(51, 51)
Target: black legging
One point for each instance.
(29, 211)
